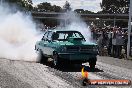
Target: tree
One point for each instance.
(56, 8)
(47, 7)
(83, 11)
(88, 12)
(44, 6)
(23, 4)
(79, 10)
(115, 6)
(67, 7)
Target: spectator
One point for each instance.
(102, 42)
(119, 42)
(114, 47)
(100, 45)
(105, 38)
(95, 34)
(109, 47)
(125, 42)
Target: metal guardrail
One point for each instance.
(90, 17)
(85, 15)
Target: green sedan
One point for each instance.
(66, 46)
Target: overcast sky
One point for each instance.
(92, 5)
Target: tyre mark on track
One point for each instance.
(70, 79)
(42, 72)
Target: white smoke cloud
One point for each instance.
(17, 35)
(74, 22)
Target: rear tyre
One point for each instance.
(92, 64)
(56, 59)
(41, 58)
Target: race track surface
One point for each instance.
(21, 74)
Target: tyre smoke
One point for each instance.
(74, 22)
(17, 35)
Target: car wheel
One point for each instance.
(92, 64)
(41, 58)
(56, 61)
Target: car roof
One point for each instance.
(60, 30)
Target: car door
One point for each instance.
(43, 43)
(48, 46)
(46, 43)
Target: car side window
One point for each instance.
(76, 35)
(45, 36)
(63, 35)
(55, 36)
(49, 37)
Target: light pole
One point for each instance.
(129, 29)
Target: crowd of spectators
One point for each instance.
(113, 40)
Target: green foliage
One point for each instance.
(44, 6)
(88, 12)
(56, 8)
(47, 7)
(67, 7)
(82, 11)
(79, 10)
(23, 4)
(115, 6)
